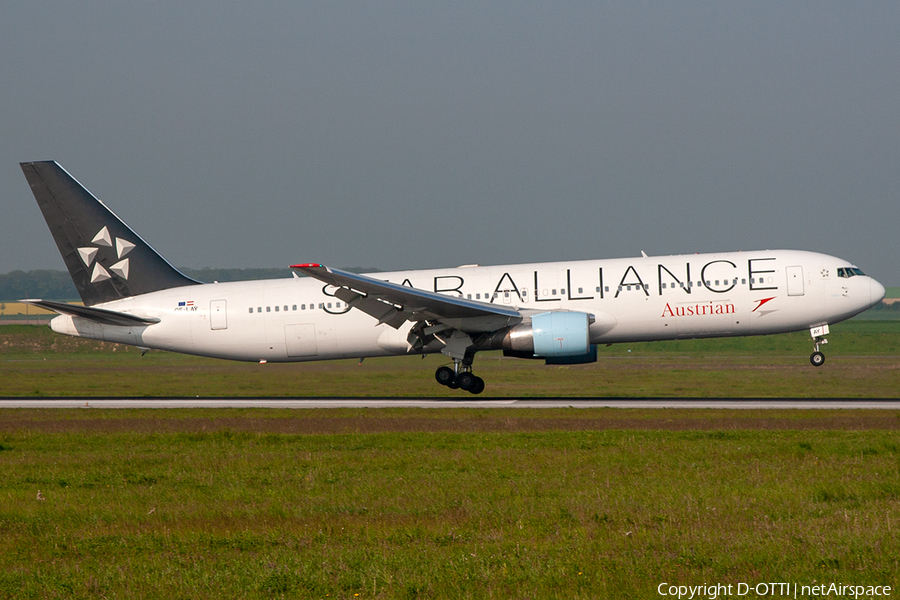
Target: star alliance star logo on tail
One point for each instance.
(88, 255)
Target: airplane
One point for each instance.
(558, 312)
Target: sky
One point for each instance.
(403, 135)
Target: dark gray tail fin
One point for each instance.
(106, 259)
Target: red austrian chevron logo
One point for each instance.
(761, 302)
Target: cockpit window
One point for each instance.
(847, 272)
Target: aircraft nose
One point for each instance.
(877, 291)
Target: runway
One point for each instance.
(362, 402)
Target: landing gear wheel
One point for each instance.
(445, 376)
(466, 380)
(817, 359)
(478, 387)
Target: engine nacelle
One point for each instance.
(561, 334)
(560, 337)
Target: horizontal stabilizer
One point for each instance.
(98, 315)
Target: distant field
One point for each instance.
(20, 308)
(443, 503)
(863, 361)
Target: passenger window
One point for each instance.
(251, 310)
(259, 309)
(276, 309)
(294, 307)
(268, 309)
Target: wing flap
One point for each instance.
(383, 311)
(395, 304)
(98, 315)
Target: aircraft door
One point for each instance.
(301, 340)
(217, 314)
(794, 280)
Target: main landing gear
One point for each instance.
(818, 334)
(460, 377)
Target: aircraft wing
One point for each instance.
(99, 315)
(395, 304)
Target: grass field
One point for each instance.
(448, 503)
(445, 503)
(863, 361)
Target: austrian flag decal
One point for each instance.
(186, 306)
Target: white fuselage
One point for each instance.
(639, 299)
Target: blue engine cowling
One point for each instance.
(560, 334)
(559, 337)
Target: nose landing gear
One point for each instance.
(460, 376)
(818, 334)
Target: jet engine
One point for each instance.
(559, 337)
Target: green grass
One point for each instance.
(442, 503)
(862, 362)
